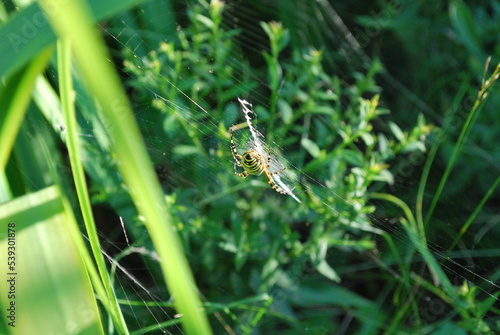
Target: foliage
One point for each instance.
(241, 237)
(365, 251)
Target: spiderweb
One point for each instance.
(159, 97)
(257, 143)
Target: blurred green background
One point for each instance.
(384, 113)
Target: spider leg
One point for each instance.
(268, 157)
(273, 173)
(234, 150)
(269, 162)
(273, 185)
(237, 160)
(243, 175)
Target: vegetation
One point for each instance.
(382, 133)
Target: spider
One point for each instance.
(254, 164)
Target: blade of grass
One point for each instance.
(72, 20)
(36, 162)
(466, 129)
(474, 214)
(52, 285)
(28, 33)
(74, 230)
(67, 101)
(14, 99)
(419, 203)
(420, 244)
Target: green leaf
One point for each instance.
(321, 294)
(449, 328)
(326, 110)
(50, 262)
(465, 25)
(326, 96)
(266, 28)
(352, 157)
(383, 145)
(368, 138)
(205, 21)
(274, 71)
(311, 147)
(185, 150)
(230, 115)
(326, 270)
(285, 111)
(28, 32)
(484, 306)
(398, 133)
(384, 175)
(414, 146)
(15, 96)
(284, 40)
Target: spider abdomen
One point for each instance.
(252, 162)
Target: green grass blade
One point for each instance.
(52, 289)
(67, 99)
(28, 33)
(475, 213)
(14, 98)
(466, 129)
(419, 242)
(419, 203)
(135, 165)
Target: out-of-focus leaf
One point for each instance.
(285, 111)
(51, 274)
(398, 133)
(413, 146)
(321, 294)
(465, 25)
(311, 147)
(27, 32)
(352, 157)
(326, 270)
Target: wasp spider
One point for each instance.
(254, 164)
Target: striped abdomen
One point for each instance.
(252, 162)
